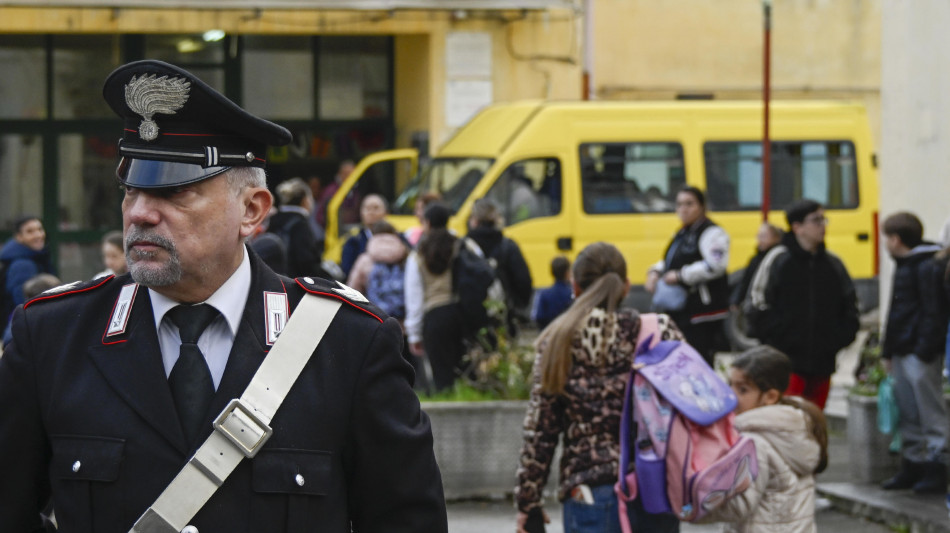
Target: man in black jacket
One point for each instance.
(913, 344)
(810, 307)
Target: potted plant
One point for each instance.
(869, 456)
(477, 424)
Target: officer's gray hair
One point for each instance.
(240, 178)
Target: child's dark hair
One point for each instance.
(906, 226)
(765, 366)
(797, 211)
(382, 227)
(21, 221)
(770, 369)
(436, 249)
(559, 267)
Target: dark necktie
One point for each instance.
(190, 379)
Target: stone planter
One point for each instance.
(868, 448)
(868, 454)
(477, 445)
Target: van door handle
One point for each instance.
(863, 237)
(565, 243)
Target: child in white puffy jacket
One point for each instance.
(791, 442)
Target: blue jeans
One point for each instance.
(946, 366)
(601, 516)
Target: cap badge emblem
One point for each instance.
(148, 94)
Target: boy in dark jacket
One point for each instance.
(913, 343)
(809, 306)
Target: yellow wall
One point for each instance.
(413, 90)
(644, 49)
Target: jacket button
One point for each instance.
(300, 480)
(76, 466)
(189, 529)
(308, 280)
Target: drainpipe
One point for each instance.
(587, 90)
(766, 89)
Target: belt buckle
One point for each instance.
(238, 423)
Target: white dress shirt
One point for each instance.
(216, 340)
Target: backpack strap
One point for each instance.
(760, 280)
(243, 427)
(626, 486)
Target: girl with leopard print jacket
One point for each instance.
(580, 374)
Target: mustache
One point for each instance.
(138, 235)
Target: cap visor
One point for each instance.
(149, 174)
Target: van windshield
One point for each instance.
(453, 178)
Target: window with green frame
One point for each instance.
(58, 146)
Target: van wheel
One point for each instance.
(734, 328)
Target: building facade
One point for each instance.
(353, 77)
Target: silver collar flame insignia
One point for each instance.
(148, 94)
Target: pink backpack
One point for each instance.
(689, 458)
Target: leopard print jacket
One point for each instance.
(587, 413)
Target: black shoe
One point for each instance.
(934, 479)
(909, 474)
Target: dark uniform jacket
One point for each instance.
(89, 419)
(812, 308)
(917, 316)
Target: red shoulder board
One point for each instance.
(75, 287)
(334, 289)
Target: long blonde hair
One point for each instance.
(600, 272)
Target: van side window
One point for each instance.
(824, 171)
(381, 178)
(631, 177)
(528, 189)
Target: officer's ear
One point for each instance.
(256, 203)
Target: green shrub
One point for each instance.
(870, 371)
(496, 367)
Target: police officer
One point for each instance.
(111, 386)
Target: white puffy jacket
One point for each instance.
(782, 500)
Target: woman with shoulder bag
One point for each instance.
(580, 375)
(690, 283)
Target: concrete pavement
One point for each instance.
(483, 517)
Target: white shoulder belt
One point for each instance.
(243, 427)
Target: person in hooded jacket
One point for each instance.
(912, 349)
(791, 445)
(510, 267)
(23, 256)
(810, 309)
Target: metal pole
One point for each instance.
(588, 75)
(766, 89)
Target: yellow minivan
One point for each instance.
(567, 174)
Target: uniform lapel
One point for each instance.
(132, 365)
(250, 346)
